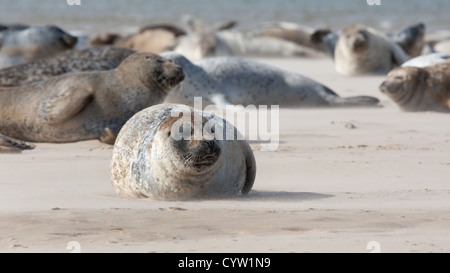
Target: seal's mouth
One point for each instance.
(204, 155)
(171, 78)
(392, 87)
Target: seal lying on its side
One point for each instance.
(86, 105)
(427, 60)
(420, 89)
(91, 59)
(362, 50)
(33, 43)
(238, 81)
(153, 158)
(204, 41)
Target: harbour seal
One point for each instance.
(90, 59)
(363, 50)
(152, 38)
(419, 89)
(10, 145)
(205, 41)
(411, 39)
(165, 155)
(33, 43)
(299, 34)
(238, 81)
(86, 105)
(427, 60)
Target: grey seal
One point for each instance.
(90, 59)
(149, 161)
(411, 39)
(420, 89)
(427, 60)
(33, 43)
(86, 105)
(363, 50)
(204, 41)
(238, 81)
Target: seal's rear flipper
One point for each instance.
(10, 145)
(357, 101)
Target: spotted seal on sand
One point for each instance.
(420, 89)
(90, 59)
(33, 43)
(363, 50)
(86, 105)
(174, 152)
(238, 81)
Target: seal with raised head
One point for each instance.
(238, 81)
(174, 152)
(411, 39)
(33, 43)
(363, 50)
(90, 59)
(419, 89)
(86, 105)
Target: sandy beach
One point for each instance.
(342, 180)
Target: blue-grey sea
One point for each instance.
(104, 15)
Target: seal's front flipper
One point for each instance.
(10, 145)
(66, 104)
(356, 101)
(250, 163)
(107, 136)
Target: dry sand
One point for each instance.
(340, 179)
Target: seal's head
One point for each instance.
(411, 39)
(401, 83)
(188, 143)
(152, 70)
(356, 38)
(65, 40)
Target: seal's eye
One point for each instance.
(168, 134)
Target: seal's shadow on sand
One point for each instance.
(282, 196)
